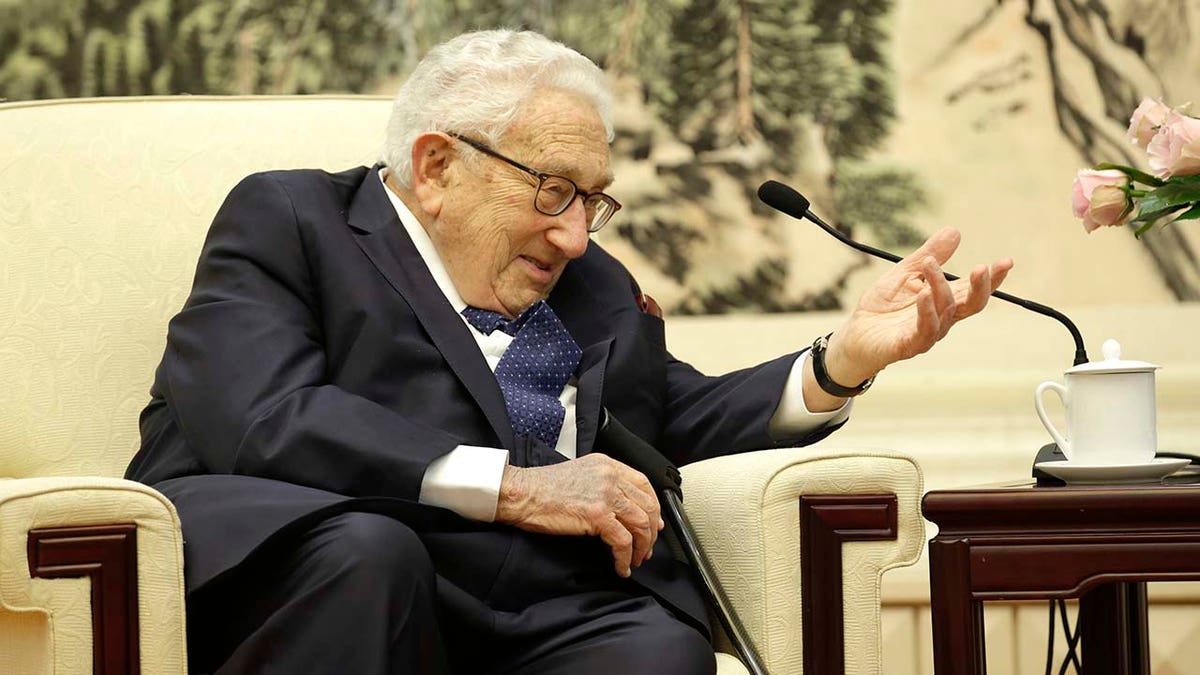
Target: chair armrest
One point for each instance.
(53, 616)
(746, 510)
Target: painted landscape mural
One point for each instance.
(894, 117)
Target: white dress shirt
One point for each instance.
(466, 480)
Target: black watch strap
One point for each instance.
(824, 381)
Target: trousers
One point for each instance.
(358, 594)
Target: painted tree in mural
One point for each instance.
(748, 89)
(123, 47)
(855, 107)
(739, 73)
(760, 88)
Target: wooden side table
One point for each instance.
(1018, 542)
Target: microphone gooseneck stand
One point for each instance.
(614, 440)
(786, 200)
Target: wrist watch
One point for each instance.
(824, 381)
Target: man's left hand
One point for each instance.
(909, 309)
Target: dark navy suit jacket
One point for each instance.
(316, 368)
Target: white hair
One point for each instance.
(476, 83)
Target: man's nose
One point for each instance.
(569, 233)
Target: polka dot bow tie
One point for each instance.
(534, 368)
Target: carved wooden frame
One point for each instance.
(107, 555)
(826, 522)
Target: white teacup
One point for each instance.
(1110, 411)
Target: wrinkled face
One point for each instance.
(501, 253)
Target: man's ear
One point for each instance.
(432, 155)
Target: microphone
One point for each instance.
(786, 200)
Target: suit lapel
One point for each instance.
(588, 401)
(382, 238)
(578, 309)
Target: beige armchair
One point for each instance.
(103, 206)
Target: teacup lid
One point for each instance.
(1112, 362)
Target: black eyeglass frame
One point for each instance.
(542, 177)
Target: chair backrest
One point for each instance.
(104, 204)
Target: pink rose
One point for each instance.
(1099, 198)
(1146, 120)
(1175, 149)
(1110, 207)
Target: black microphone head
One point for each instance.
(783, 198)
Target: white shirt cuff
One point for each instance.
(466, 480)
(792, 418)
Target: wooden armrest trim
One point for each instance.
(107, 554)
(826, 521)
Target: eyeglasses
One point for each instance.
(555, 193)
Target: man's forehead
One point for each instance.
(592, 172)
(561, 134)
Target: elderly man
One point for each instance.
(376, 413)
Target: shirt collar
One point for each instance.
(420, 239)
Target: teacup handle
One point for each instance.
(1041, 411)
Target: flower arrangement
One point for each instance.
(1112, 194)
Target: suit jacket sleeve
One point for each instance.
(708, 416)
(244, 372)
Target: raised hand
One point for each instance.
(909, 309)
(592, 495)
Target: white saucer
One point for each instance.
(1108, 474)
